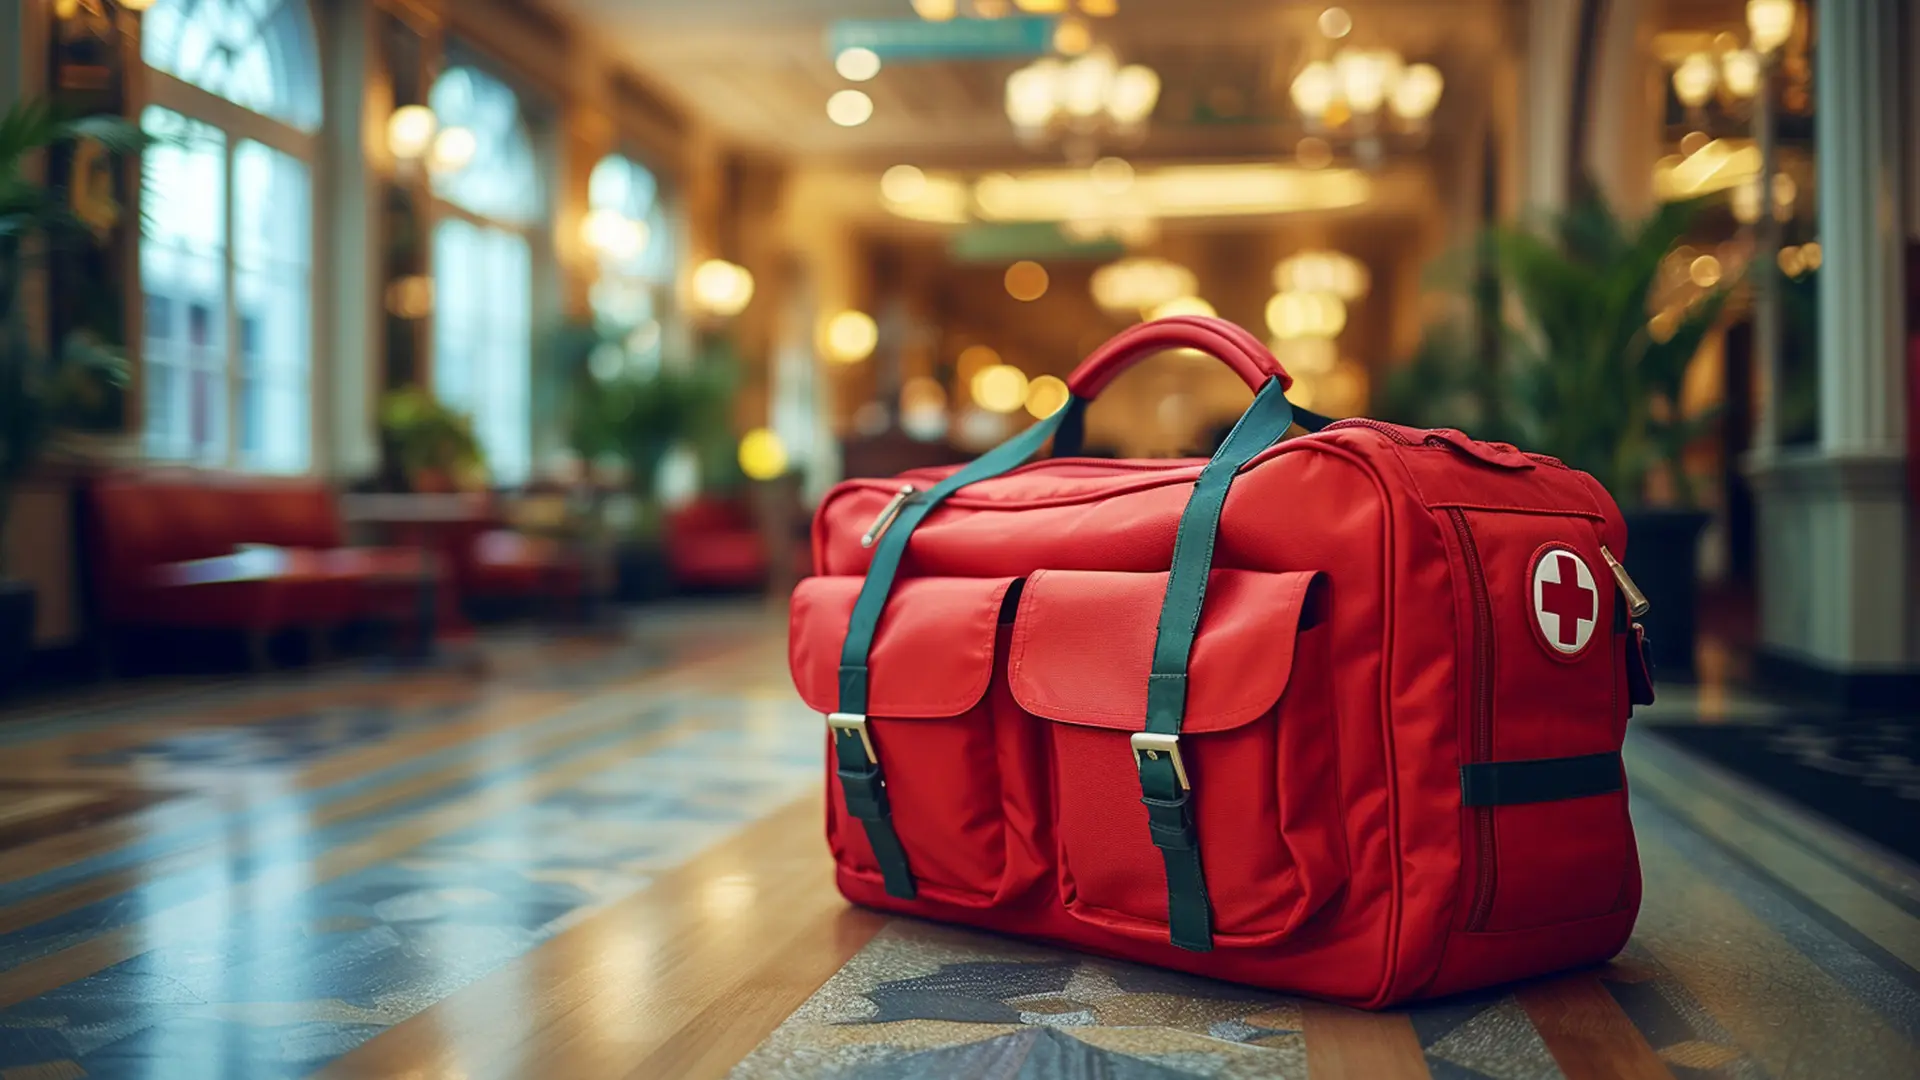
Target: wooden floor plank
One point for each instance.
(47, 973)
(1585, 1030)
(681, 979)
(1347, 1044)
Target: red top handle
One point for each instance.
(1245, 354)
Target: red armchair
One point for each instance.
(714, 544)
(210, 550)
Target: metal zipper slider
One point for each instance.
(1637, 604)
(887, 514)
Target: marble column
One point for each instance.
(1838, 596)
(348, 303)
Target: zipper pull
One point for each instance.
(1637, 604)
(887, 514)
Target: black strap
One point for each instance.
(861, 778)
(1510, 783)
(1167, 798)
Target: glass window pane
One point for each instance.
(500, 181)
(258, 54)
(272, 262)
(483, 338)
(183, 273)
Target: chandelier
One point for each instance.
(1364, 96)
(1082, 101)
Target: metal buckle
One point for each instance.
(1153, 744)
(855, 722)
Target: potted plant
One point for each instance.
(434, 446)
(626, 414)
(1594, 378)
(41, 389)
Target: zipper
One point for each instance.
(887, 514)
(1482, 718)
(1391, 431)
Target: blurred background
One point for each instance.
(592, 300)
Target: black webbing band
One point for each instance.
(861, 778)
(1166, 793)
(1511, 783)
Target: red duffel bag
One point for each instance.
(1339, 715)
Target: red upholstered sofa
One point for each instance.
(714, 544)
(186, 548)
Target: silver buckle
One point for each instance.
(856, 722)
(1153, 744)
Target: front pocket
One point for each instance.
(1541, 672)
(1257, 742)
(928, 715)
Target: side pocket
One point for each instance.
(1257, 746)
(1549, 840)
(932, 726)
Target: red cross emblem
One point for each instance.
(1566, 605)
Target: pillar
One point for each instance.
(349, 300)
(1838, 596)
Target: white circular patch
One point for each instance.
(1566, 605)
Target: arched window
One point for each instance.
(226, 254)
(633, 238)
(483, 268)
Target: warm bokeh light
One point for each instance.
(1000, 388)
(1139, 284)
(1314, 88)
(1416, 92)
(410, 132)
(1072, 37)
(973, 360)
(934, 10)
(1694, 79)
(857, 64)
(1313, 152)
(410, 297)
(137, 5)
(1041, 7)
(763, 456)
(1740, 72)
(453, 150)
(1099, 8)
(1306, 315)
(1305, 356)
(849, 337)
(1174, 191)
(722, 288)
(1182, 305)
(613, 234)
(1026, 280)
(1046, 394)
(1111, 175)
(1716, 166)
(1335, 23)
(903, 184)
(1704, 271)
(1770, 23)
(1322, 271)
(849, 108)
(1810, 254)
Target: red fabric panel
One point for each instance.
(1083, 646)
(932, 653)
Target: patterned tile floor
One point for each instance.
(600, 857)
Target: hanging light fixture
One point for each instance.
(1346, 95)
(722, 288)
(1694, 79)
(1089, 95)
(1770, 23)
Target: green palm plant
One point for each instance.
(1589, 379)
(40, 390)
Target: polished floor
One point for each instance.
(600, 856)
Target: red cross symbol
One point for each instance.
(1567, 598)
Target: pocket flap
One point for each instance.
(932, 653)
(1083, 645)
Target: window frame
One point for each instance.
(536, 232)
(239, 123)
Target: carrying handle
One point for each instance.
(1227, 342)
(1231, 345)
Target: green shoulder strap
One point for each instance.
(861, 778)
(1166, 787)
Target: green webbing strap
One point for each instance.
(1165, 786)
(859, 761)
